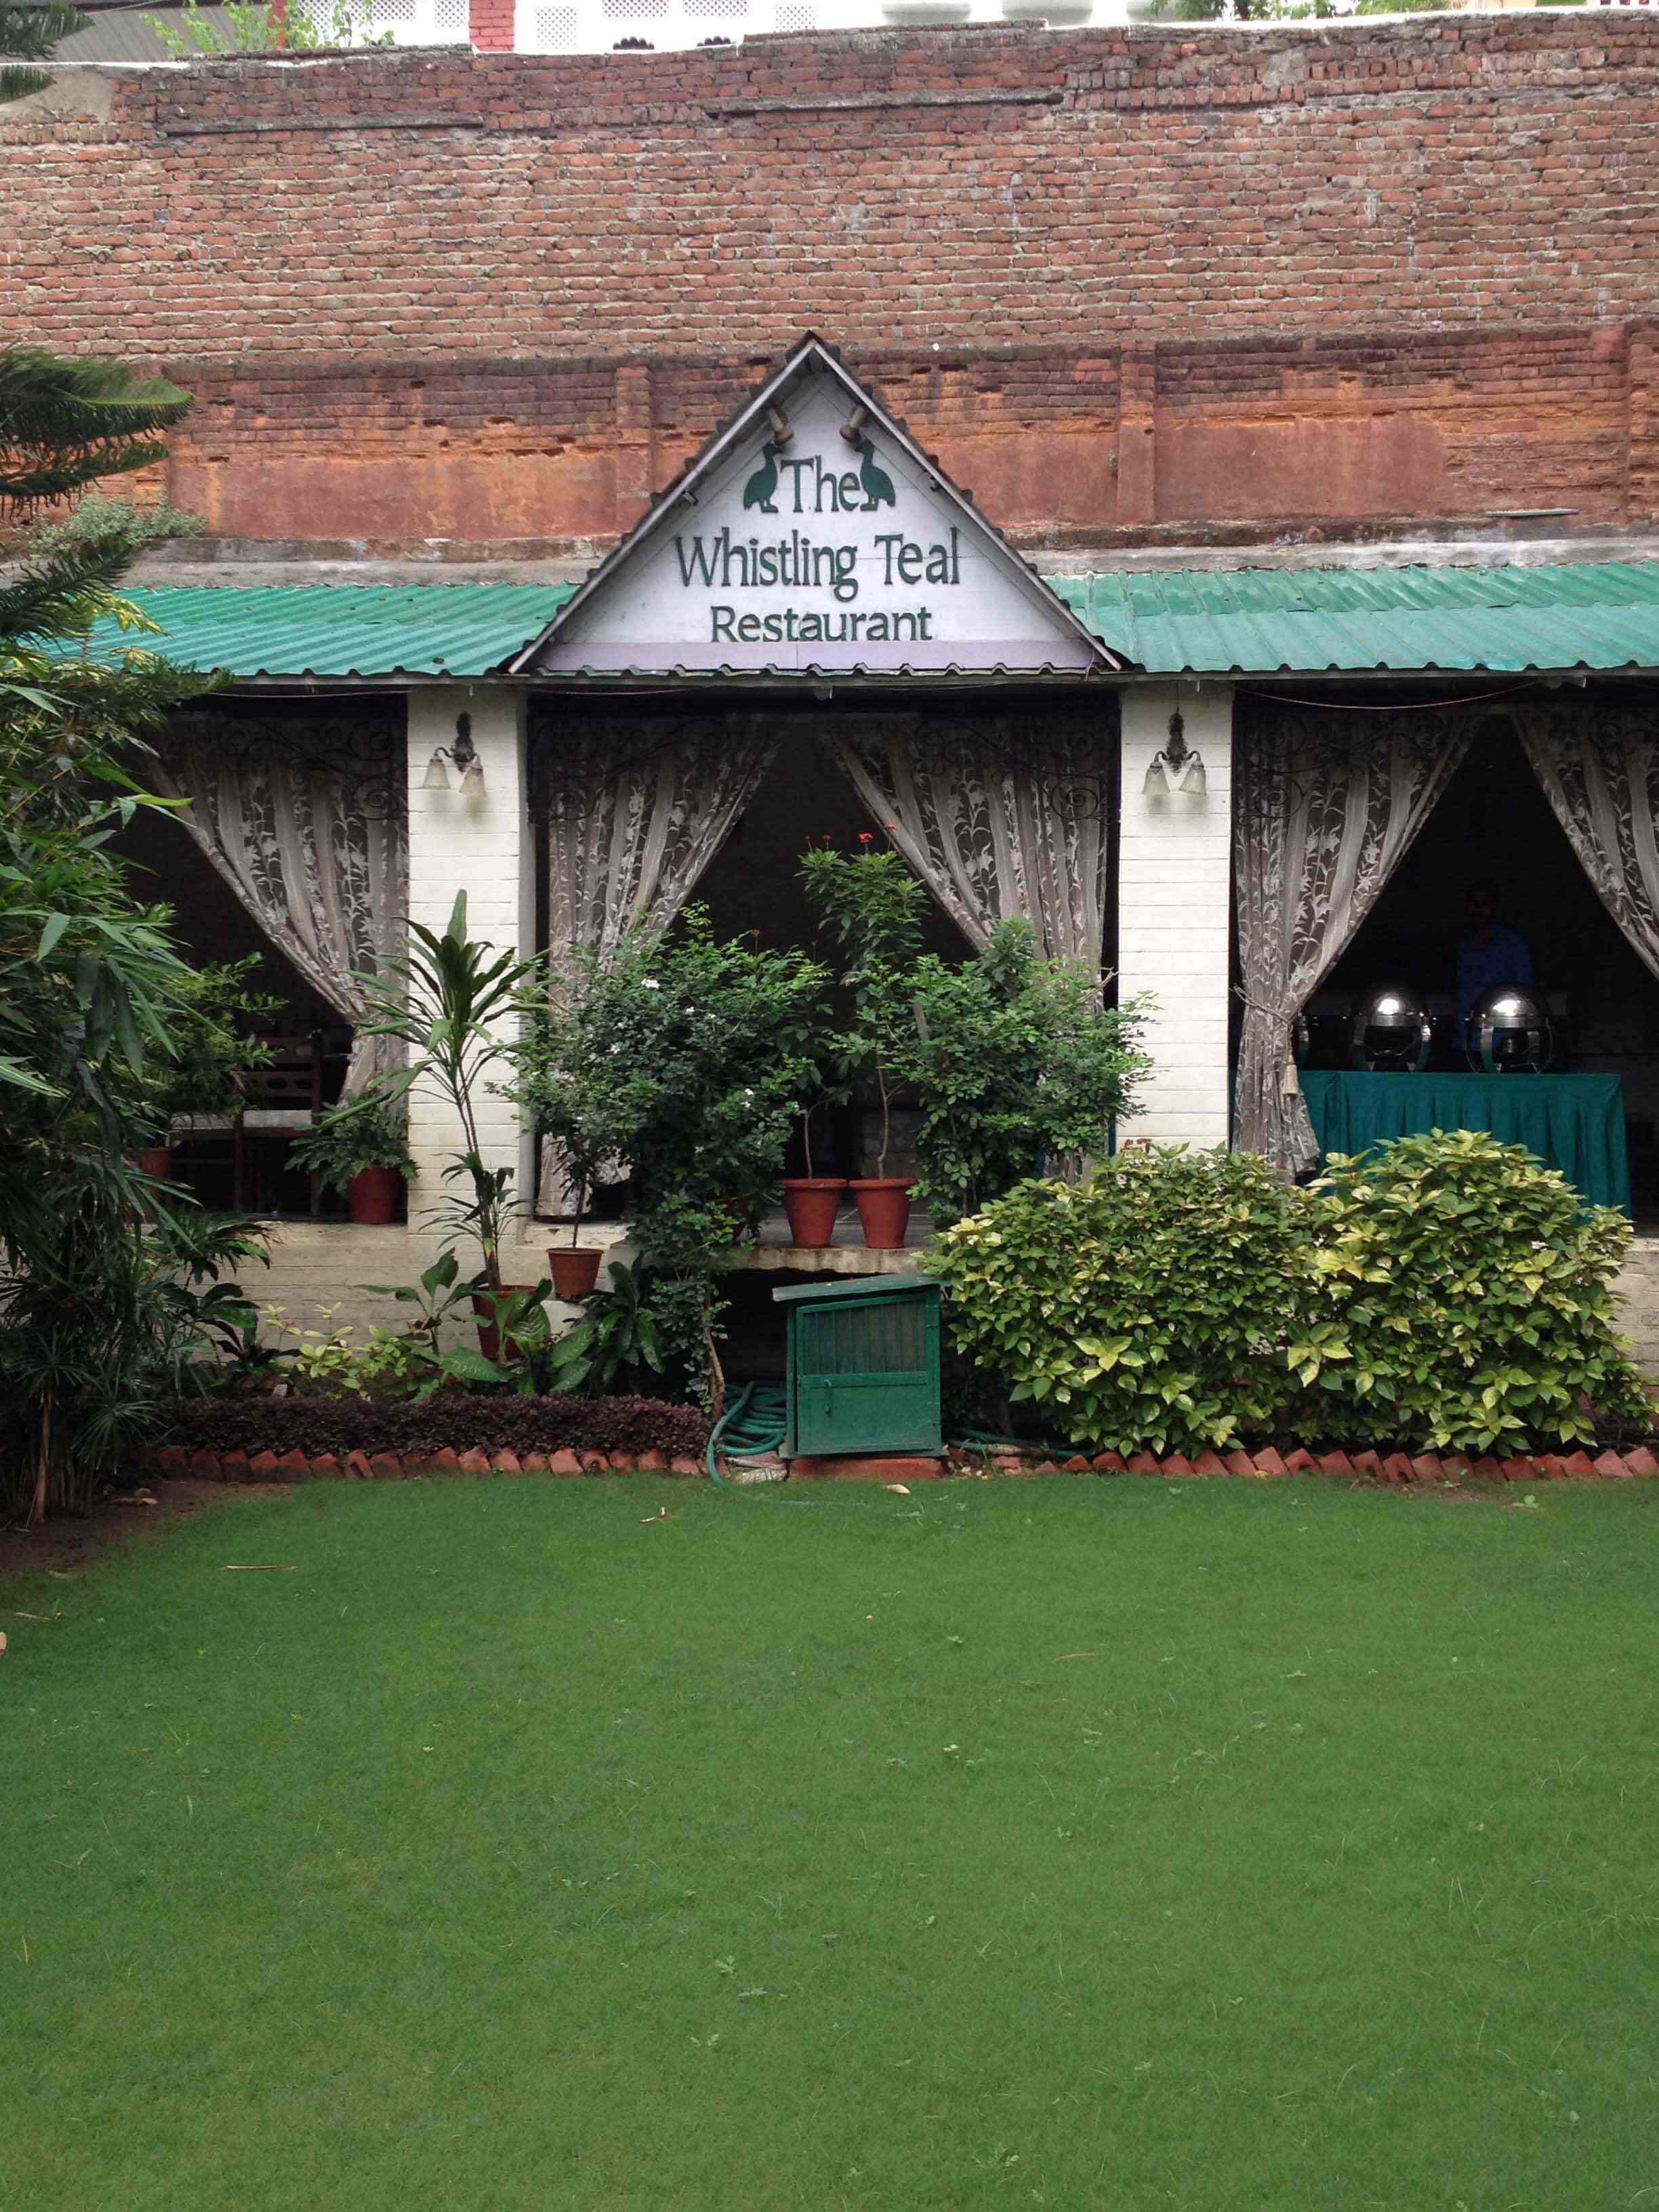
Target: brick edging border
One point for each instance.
(1399, 1468)
(1262, 1464)
(394, 1467)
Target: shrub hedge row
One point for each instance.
(455, 1419)
(1450, 1292)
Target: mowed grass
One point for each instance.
(1067, 1844)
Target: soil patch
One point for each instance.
(67, 1544)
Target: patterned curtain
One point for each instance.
(1325, 804)
(316, 847)
(1008, 813)
(635, 814)
(1599, 765)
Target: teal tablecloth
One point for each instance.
(1573, 1122)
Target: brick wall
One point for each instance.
(490, 24)
(1127, 282)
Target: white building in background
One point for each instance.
(123, 32)
(597, 26)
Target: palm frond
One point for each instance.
(64, 422)
(30, 28)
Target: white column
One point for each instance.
(479, 844)
(1175, 884)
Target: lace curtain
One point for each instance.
(634, 817)
(1006, 815)
(1326, 805)
(631, 828)
(317, 853)
(1599, 766)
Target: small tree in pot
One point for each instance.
(566, 1081)
(813, 1201)
(870, 906)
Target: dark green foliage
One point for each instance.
(436, 1348)
(616, 1338)
(370, 1130)
(27, 33)
(1146, 1308)
(453, 1419)
(1015, 1062)
(682, 1057)
(106, 1282)
(452, 1004)
(1461, 1295)
(65, 423)
(869, 907)
(209, 1048)
(678, 1055)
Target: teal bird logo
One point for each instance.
(877, 485)
(758, 491)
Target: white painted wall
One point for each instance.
(1174, 877)
(481, 846)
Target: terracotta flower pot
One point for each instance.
(574, 1269)
(484, 1306)
(156, 1161)
(372, 1196)
(811, 1203)
(883, 1204)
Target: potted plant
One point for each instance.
(571, 1094)
(678, 1056)
(869, 905)
(453, 1005)
(812, 1201)
(361, 1149)
(201, 1079)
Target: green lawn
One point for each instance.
(1066, 1843)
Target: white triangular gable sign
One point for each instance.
(811, 537)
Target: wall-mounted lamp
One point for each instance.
(1176, 766)
(853, 429)
(782, 432)
(465, 754)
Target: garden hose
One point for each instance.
(752, 1427)
(977, 1437)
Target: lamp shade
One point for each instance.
(437, 775)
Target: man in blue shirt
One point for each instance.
(1489, 953)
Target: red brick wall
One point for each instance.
(1127, 283)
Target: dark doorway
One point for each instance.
(309, 1041)
(1495, 823)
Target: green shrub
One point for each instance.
(1014, 1059)
(1147, 1308)
(1464, 1297)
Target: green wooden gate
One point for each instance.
(863, 1371)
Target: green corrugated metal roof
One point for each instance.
(340, 629)
(1171, 622)
(1601, 614)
